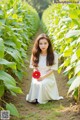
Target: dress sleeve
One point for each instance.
(31, 66)
(55, 65)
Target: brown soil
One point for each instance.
(65, 109)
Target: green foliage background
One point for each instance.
(17, 27)
(40, 5)
(61, 23)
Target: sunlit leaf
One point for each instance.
(1, 48)
(77, 68)
(72, 33)
(13, 110)
(7, 78)
(74, 57)
(71, 80)
(13, 88)
(74, 84)
(78, 53)
(15, 16)
(67, 52)
(14, 53)
(7, 63)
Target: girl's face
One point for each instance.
(43, 45)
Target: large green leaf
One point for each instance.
(72, 33)
(13, 110)
(23, 53)
(67, 62)
(7, 63)
(8, 79)
(1, 14)
(72, 15)
(14, 53)
(1, 48)
(9, 12)
(10, 43)
(18, 74)
(77, 68)
(68, 68)
(74, 57)
(75, 84)
(78, 40)
(13, 88)
(67, 52)
(78, 52)
(14, 94)
(71, 80)
(9, 82)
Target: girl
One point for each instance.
(45, 60)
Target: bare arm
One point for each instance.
(46, 75)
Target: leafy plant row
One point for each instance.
(18, 23)
(62, 23)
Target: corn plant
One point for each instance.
(63, 27)
(18, 23)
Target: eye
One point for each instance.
(45, 43)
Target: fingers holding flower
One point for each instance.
(40, 78)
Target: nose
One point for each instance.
(43, 45)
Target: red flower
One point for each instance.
(36, 74)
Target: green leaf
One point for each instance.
(15, 16)
(72, 15)
(1, 90)
(74, 57)
(10, 43)
(9, 82)
(78, 40)
(60, 68)
(10, 11)
(75, 84)
(78, 53)
(67, 52)
(67, 62)
(71, 80)
(1, 14)
(13, 110)
(14, 94)
(1, 48)
(77, 68)
(14, 53)
(72, 33)
(8, 79)
(23, 53)
(18, 74)
(13, 88)
(68, 68)
(76, 94)
(2, 21)
(7, 63)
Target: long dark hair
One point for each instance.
(36, 51)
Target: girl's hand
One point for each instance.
(40, 79)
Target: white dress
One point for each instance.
(46, 89)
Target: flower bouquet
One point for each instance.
(36, 74)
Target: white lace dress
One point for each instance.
(46, 89)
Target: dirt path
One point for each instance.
(53, 110)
